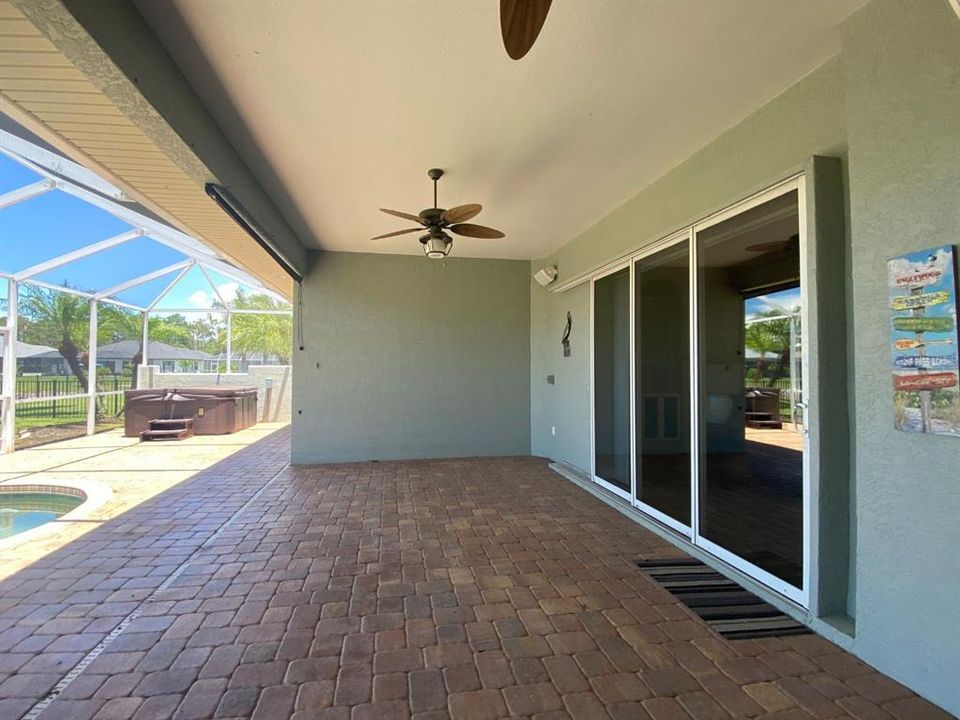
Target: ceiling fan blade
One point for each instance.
(460, 213)
(477, 231)
(397, 213)
(775, 245)
(520, 24)
(398, 232)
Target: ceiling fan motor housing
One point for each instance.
(431, 217)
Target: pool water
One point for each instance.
(21, 511)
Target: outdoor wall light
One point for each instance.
(436, 246)
(546, 275)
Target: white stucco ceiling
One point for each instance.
(340, 108)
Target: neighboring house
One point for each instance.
(116, 356)
(40, 359)
(242, 363)
(752, 359)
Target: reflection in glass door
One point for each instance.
(751, 454)
(662, 372)
(611, 381)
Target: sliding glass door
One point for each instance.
(697, 372)
(611, 382)
(751, 439)
(662, 378)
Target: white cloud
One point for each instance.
(939, 260)
(205, 299)
(200, 299)
(228, 291)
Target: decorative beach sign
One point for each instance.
(923, 306)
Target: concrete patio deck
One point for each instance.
(464, 589)
(116, 472)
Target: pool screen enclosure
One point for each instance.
(33, 174)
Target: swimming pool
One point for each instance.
(23, 508)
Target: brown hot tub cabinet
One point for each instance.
(214, 410)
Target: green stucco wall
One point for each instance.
(889, 108)
(406, 357)
(901, 63)
(773, 143)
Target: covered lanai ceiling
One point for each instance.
(339, 108)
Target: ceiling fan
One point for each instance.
(437, 243)
(776, 245)
(520, 24)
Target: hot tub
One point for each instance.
(215, 410)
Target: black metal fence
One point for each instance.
(44, 394)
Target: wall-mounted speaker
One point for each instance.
(546, 275)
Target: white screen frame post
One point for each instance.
(8, 392)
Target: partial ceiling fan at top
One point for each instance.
(437, 243)
(520, 24)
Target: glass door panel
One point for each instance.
(751, 454)
(662, 382)
(611, 380)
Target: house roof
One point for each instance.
(126, 349)
(28, 350)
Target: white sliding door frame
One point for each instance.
(799, 595)
(684, 236)
(691, 532)
(605, 484)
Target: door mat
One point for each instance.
(733, 612)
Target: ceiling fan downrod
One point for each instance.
(435, 174)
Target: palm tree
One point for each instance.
(267, 334)
(118, 324)
(173, 330)
(770, 336)
(59, 319)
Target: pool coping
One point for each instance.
(95, 493)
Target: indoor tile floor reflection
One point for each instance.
(751, 502)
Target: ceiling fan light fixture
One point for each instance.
(437, 243)
(436, 246)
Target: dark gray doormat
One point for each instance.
(732, 611)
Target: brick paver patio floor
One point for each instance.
(463, 589)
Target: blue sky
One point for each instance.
(787, 299)
(55, 223)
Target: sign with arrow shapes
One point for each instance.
(908, 302)
(913, 344)
(926, 381)
(942, 324)
(920, 278)
(925, 362)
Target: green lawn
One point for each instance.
(38, 422)
(31, 423)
